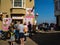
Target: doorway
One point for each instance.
(19, 20)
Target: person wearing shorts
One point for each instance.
(21, 33)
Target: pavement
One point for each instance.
(50, 31)
(40, 38)
(28, 42)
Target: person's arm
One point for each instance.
(27, 28)
(18, 27)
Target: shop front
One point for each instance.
(17, 17)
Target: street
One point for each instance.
(47, 38)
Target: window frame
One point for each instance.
(23, 1)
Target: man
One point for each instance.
(16, 30)
(29, 28)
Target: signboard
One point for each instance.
(6, 23)
(15, 17)
(29, 15)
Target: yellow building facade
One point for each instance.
(16, 9)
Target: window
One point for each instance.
(18, 3)
(59, 5)
(56, 5)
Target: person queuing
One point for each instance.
(29, 28)
(16, 31)
(11, 30)
(5, 25)
(21, 33)
(25, 30)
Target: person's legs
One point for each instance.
(30, 34)
(5, 35)
(17, 34)
(25, 37)
(11, 43)
(22, 41)
(22, 38)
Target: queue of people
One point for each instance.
(18, 32)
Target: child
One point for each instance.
(12, 38)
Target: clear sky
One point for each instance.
(45, 9)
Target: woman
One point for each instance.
(25, 30)
(21, 33)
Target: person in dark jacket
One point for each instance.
(29, 28)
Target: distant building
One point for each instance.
(57, 11)
(16, 9)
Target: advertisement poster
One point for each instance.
(6, 23)
(29, 15)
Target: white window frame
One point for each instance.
(22, 4)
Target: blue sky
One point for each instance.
(45, 9)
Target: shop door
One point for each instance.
(20, 20)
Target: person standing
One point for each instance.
(16, 31)
(12, 36)
(29, 28)
(6, 23)
(25, 31)
(21, 33)
(12, 33)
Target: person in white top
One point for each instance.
(21, 33)
(25, 28)
(25, 31)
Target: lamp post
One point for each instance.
(36, 15)
(35, 25)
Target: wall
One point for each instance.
(29, 4)
(0, 5)
(59, 20)
(7, 8)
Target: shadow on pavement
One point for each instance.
(46, 38)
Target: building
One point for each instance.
(57, 11)
(16, 9)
